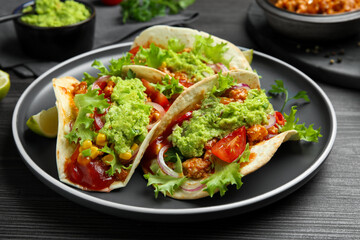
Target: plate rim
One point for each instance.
(64, 189)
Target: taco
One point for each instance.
(186, 54)
(105, 125)
(216, 132)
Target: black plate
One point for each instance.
(291, 167)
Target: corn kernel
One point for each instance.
(107, 159)
(125, 156)
(134, 147)
(101, 139)
(94, 152)
(83, 160)
(86, 144)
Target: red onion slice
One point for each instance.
(241, 85)
(217, 67)
(160, 109)
(195, 189)
(100, 82)
(272, 121)
(165, 168)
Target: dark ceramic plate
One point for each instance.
(292, 165)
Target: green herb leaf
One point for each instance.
(169, 86)
(86, 103)
(225, 174)
(163, 183)
(175, 45)
(224, 83)
(304, 133)
(208, 52)
(86, 152)
(152, 57)
(279, 88)
(172, 155)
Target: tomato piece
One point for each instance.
(231, 146)
(155, 95)
(111, 2)
(184, 117)
(100, 83)
(280, 118)
(135, 50)
(98, 119)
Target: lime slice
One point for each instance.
(4, 84)
(248, 55)
(44, 123)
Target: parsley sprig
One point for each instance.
(279, 88)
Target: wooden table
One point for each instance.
(327, 207)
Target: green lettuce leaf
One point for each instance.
(208, 52)
(224, 83)
(175, 45)
(152, 57)
(304, 133)
(169, 86)
(163, 183)
(225, 174)
(115, 166)
(86, 103)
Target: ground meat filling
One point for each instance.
(197, 168)
(256, 133)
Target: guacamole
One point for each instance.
(55, 13)
(216, 120)
(128, 117)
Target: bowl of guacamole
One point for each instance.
(57, 30)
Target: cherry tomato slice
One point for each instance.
(280, 118)
(231, 146)
(111, 2)
(155, 95)
(135, 50)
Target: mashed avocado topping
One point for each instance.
(192, 61)
(128, 117)
(55, 13)
(216, 120)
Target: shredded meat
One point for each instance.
(234, 95)
(273, 130)
(122, 175)
(210, 143)
(256, 133)
(319, 6)
(154, 115)
(196, 168)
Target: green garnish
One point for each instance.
(169, 86)
(86, 152)
(146, 10)
(86, 103)
(279, 88)
(305, 133)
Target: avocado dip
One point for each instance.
(55, 13)
(216, 120)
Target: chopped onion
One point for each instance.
(272, 121)
(217, 67)
(197, 188)
(160, 109)
(241, 85)
(165, 168)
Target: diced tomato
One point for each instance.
(231, 146)
(184, 117)
(100, 83)
(155, 95)
(280, 118)
(98, 120)
(135, 50)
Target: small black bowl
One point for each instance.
(55, 43)
(310, 27)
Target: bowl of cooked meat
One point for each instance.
(309, 20)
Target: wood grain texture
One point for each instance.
(327, 207)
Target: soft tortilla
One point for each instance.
(66, 114)
(263, 151)
(160, 35)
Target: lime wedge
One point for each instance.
(45, 123)
(4, 84)
(248, 55)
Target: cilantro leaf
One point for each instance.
(279, 88)
(172, 155)
(86, 103)
(163, 183)
(169, 86)
(225, 174)
(304, 133)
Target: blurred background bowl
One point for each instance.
(310, 27)
(55, 43)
